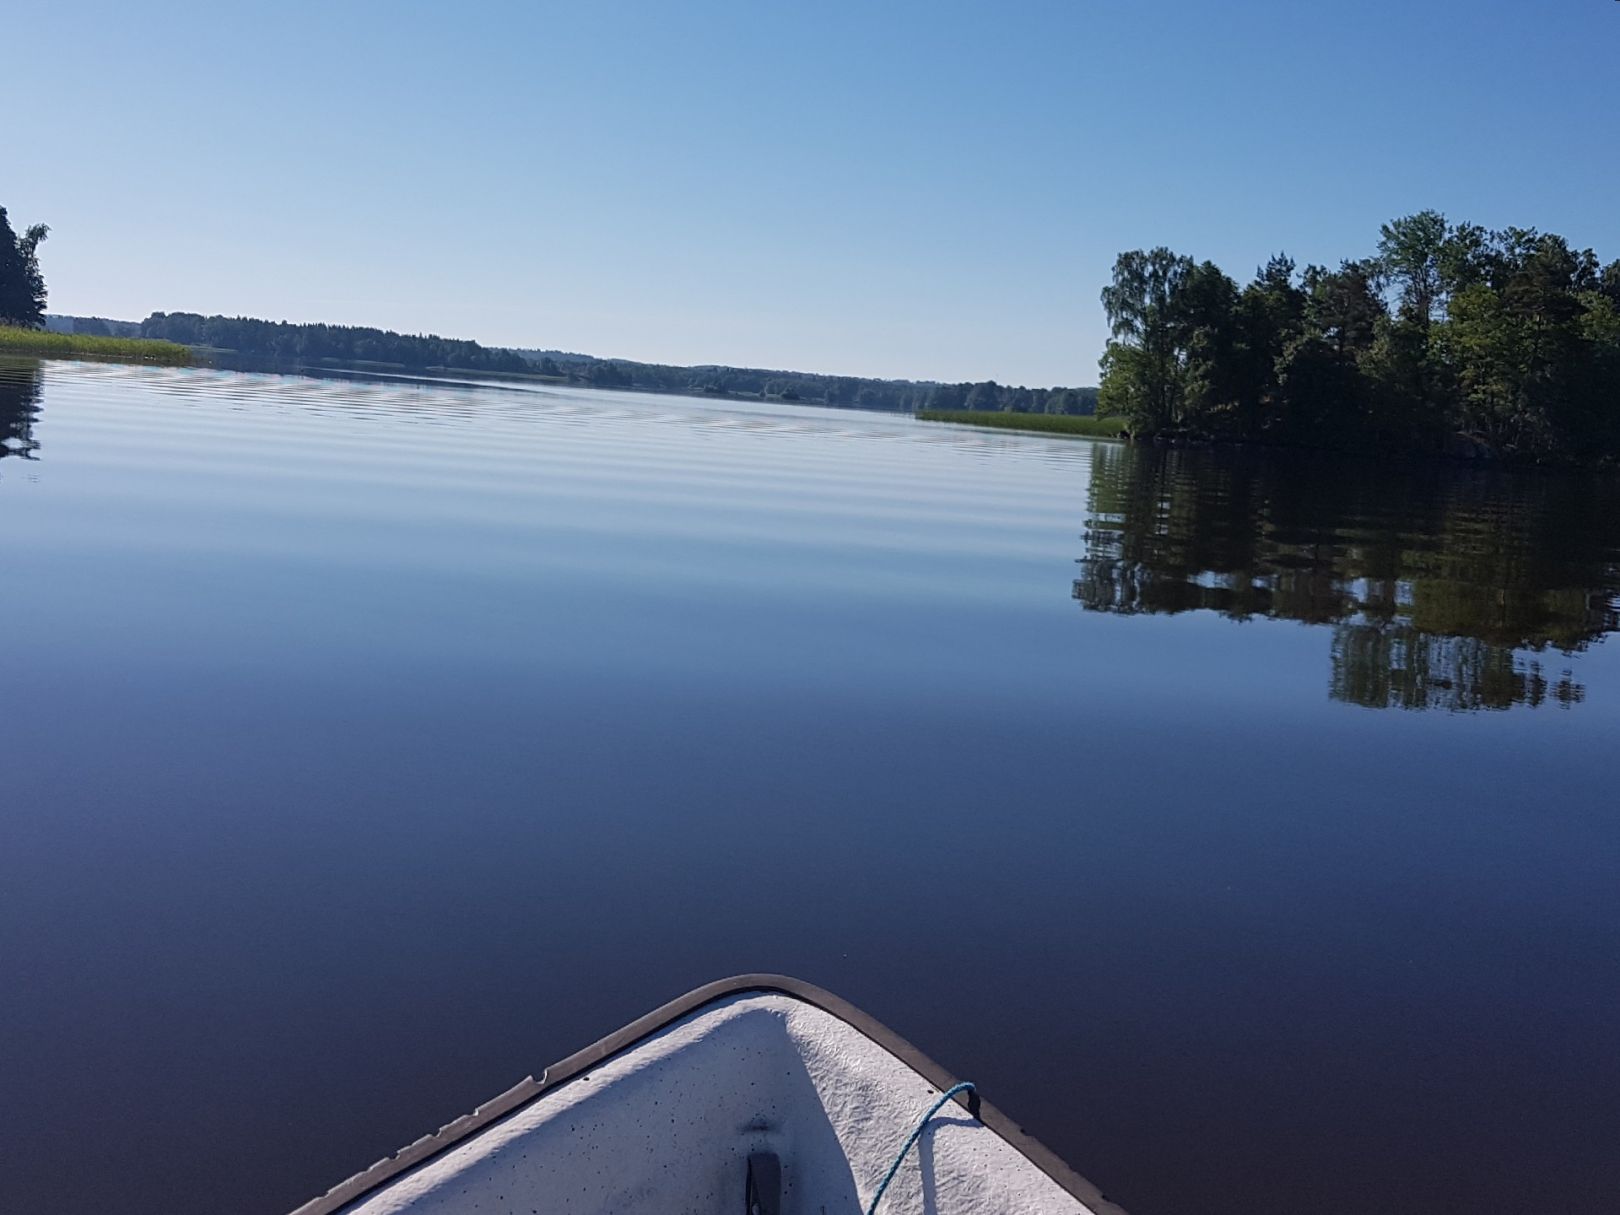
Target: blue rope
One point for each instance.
(964, 1087)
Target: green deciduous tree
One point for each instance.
(1507, 338)
(986, 395)
(1270, 316)
(22, 286)
(1144, 364)
(1411, 254)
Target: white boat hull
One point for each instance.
(664, 1116)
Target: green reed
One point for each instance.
(83, 345)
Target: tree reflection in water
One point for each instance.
(1445, 587)
(21, 386)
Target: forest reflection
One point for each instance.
(1445, 587)
(21, 387)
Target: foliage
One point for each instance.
(14, 340)
(1065, 424)
(1146, 364)
(22, 286)
(1450, 338)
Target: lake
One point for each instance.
(1244, 826)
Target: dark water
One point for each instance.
(1246, 829)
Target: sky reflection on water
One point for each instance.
(375, 744)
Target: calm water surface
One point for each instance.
(1247, 830)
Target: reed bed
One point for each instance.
(41, 342)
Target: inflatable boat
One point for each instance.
(758, 1095)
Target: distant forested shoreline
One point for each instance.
(317, 343)
(290, 343)
(905, 396)
(1450, 339)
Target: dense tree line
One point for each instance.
(92, 326)
(862, 393)
(283, 341)
(22, 286)
(1449, 338)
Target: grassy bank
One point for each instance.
(84, 345)
(1049, 423)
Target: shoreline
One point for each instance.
(1071, 425)
(1468, 451)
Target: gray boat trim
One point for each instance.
(558, 1074)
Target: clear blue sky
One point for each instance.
(933, 190)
